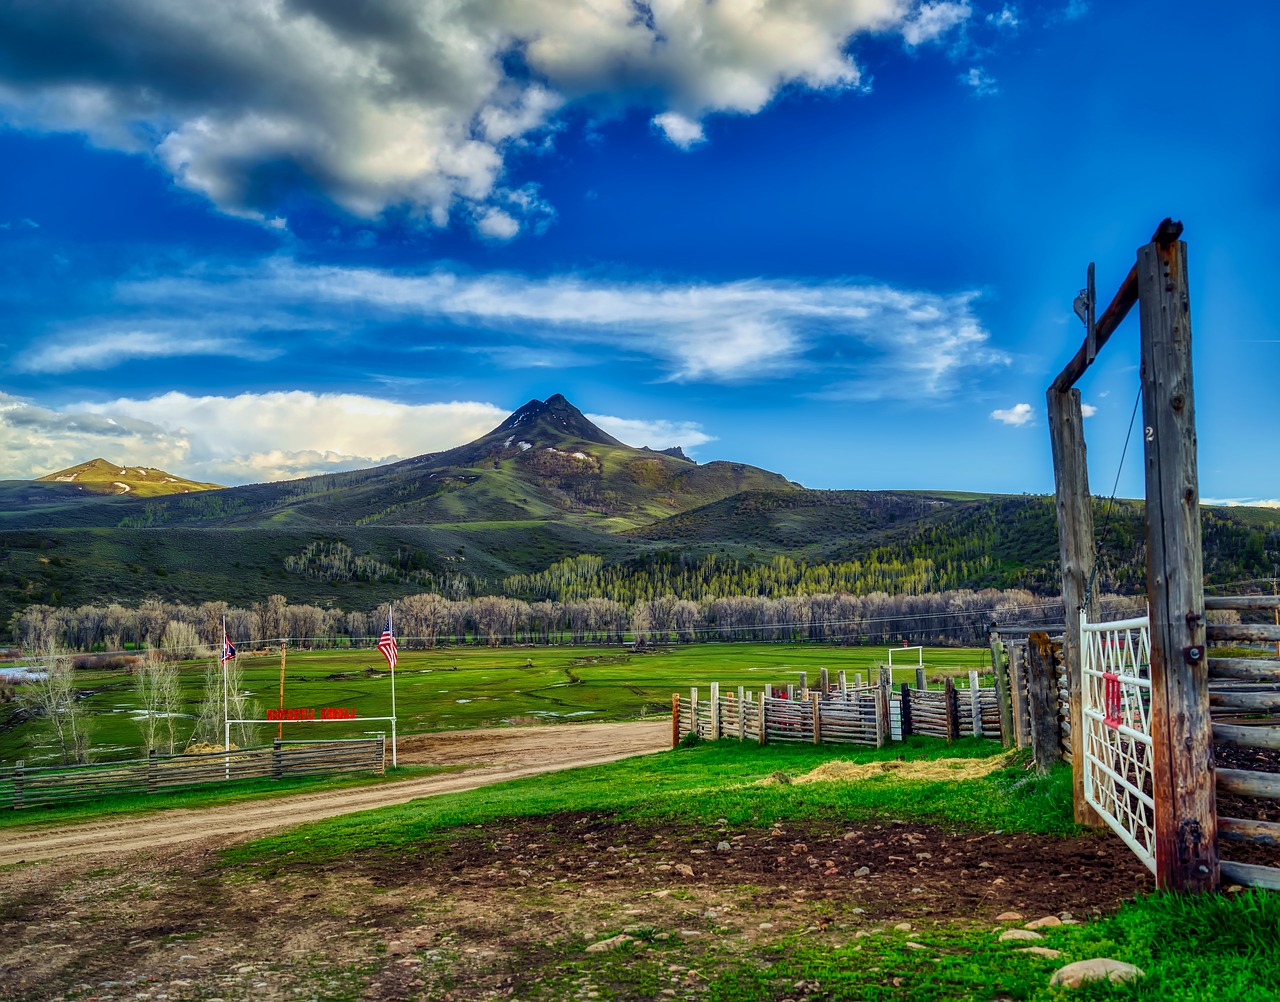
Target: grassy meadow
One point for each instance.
(469, 687)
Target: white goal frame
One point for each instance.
(918, 663)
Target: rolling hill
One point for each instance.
(100, 477)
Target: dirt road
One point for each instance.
(497, 753)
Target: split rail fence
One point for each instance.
(26, 786)
(1244, 707)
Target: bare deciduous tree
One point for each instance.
(50, 692)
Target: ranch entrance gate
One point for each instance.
(1146, 700)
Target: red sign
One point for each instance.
(307, 713)
(1111, 699)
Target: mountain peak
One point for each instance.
(97, 476)
(556, 415)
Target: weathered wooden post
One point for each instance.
(824, 681)
(904, 711)
(1017, 686)
(804, 683)
(920, 680)
(763, 735)
(715, 711)
(1042, 684)
(845, 688)
(1186, 805)
(953, 717)
(999, 664)
(675, 719)
(1076, 552)
(815, 704)
(742, 713)
(693, 711)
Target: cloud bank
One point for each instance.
(856, 339)
(414, 104)
(255, 437)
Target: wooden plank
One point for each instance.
(1242, 602)
(1247, 783)
(1186, 806)
(1119, 307)
(1244, 669)
(1244, 830)
(1247, 632)
(1251, 875)
(1042, 672)
(675, 719)
(1248, 735)
(1258, 701)
(1074, 507)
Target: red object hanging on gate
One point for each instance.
(1111, 699)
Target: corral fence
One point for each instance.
(869, 713)
(30, 786)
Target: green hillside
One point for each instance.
(100, 477)
(544, 486)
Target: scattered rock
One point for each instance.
(903, 927)
(1095, 969)
(1041, 951)
(1048, 922)
(862, 871)
(684, 869)
(914, 945)
(1018, 934)
(1009, 917)
(723, 847)
(397, 948)
(612, 943)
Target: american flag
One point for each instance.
(387, 644)
(228, 649)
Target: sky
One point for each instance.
(252, 240)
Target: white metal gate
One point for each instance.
(1116, 701)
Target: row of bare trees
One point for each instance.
(427, 620)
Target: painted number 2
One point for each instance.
(1151, 434)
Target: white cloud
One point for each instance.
(657, 434)
(497, 225)
(1075, 9)
(1006, 18)
(1017, 415)
(246, 438)
(1088, 410)
(1243, 502)
(680, 130)
(983, 84)
(933, 20)
(864, 334)
(107, 349)
(409, 104)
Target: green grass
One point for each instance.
(211, 795)
(471, 687)
(707, 781)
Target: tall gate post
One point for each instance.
(1184, 793)
(1075, 550)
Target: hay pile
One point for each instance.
(934, 770)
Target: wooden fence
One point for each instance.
(25, 786)
(869, 714)
(1244, 701)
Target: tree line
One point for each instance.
(428, 619)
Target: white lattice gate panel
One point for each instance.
(1116, 702)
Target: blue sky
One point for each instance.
(255, 240)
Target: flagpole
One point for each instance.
(226, 722)
(391, 627)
